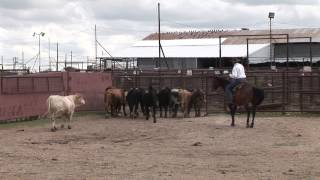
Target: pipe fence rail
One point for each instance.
(285, 90)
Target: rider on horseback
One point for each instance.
(237, 76)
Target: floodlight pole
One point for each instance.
(40, 34)
(39, 54)
(271, 16)
(159, 37)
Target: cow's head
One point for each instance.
(79, 100)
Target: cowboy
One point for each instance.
(237, 76)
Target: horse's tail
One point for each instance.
(259, 95)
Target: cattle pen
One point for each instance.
(284, 147)
(285, 90)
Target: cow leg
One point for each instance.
(130, 111)
(124, 109)
(147, 112)
(69, 120)
(154, 114)
(136, 114)
(53, 129)
(189, 109)
(165, 111)
(184, 111)
(142, 108)
(160, 109)
(196, 114)
(174, 111)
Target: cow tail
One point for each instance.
(48, 108)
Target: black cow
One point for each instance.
(149, 100)
(134, 98)
(164, 100)
(197, 100)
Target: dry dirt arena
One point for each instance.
(279, 147)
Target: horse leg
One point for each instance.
(232, 111)
(253, 115)
(248, 115)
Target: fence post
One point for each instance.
(48, 86)
(300, 93)
(283, 92)
(311, 88)
(32, 84)
(272, 82)
(207, 95)
(18, 84)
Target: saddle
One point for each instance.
(239, 86)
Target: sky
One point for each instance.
(121, 23)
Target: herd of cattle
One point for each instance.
(115, 99)
(167, 100)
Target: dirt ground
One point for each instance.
(282, 147)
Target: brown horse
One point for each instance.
(244, 95)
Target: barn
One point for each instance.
(215, 48)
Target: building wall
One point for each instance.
(173, 63)
(297, 50)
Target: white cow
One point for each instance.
(63, 106)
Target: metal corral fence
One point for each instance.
(285, 91)
(24, 96)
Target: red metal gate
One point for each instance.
(25, 96)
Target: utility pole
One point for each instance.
(271, 16)
(65, 60)
(2, 62)
(49, 55)
(22, 58)
(95, 43)
(14, 63)
(71, 59)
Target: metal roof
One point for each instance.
(302, 32)
(187, 48)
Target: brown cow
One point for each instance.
(185, 97)
(114, 98)
(180, 97)
(197, 100)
